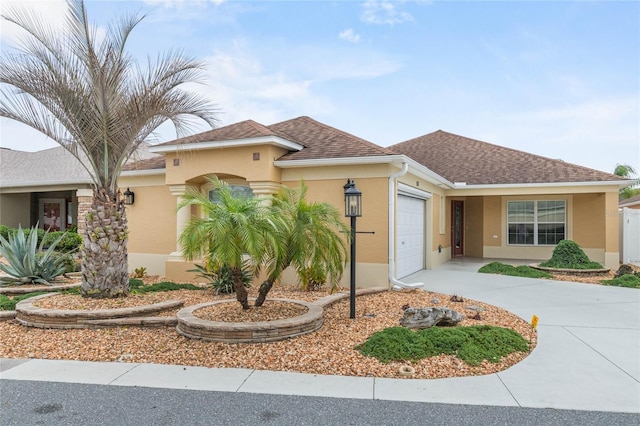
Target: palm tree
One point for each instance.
(313, 245)
(626, 171)
(230, 231)
(89, 95)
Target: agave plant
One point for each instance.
(26, 261)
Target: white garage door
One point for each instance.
(410, 235)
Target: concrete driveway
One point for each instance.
(588, 352)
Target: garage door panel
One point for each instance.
(410, 235)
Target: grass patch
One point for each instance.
(471, 344)
(138, 287)
(515, 271)
(627, 280)
(9, 303)
(164, 286)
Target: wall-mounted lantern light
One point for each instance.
(129, 197)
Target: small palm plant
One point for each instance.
(231, 231)
(28, 262)
(313, 244)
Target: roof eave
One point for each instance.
(463, 185)
(415, 167)
(145, 172)
(196, 146)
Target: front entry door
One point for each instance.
(457, 228)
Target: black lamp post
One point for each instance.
(129, 197)
(352, 209)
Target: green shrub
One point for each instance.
(9, 303)
(70, 264)
(569, 255)
(164, 286)
(515, 271)
(312, 277)
(221, 280)
(39, 232)
(471, 344)
(27, 261)
(4, 232)
(140, 272)
(627, 280)
(70, 242)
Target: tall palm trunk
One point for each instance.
(104, 255)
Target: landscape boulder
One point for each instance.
(428, 317)
(624, 270)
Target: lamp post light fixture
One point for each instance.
(129, 197)
(352, 209)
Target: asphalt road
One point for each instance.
(54, 403)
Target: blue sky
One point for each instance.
(558, 79)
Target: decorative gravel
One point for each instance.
(329, 350)
(271, 310)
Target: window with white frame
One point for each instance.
(239, 191)
(536, 222)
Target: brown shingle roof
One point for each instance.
(241, 130)
(630, 201)
(460, 159)
(157, 162)
(323, 141)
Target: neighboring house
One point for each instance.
(45, 187)
(631, 203)
(427, 199)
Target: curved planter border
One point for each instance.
(260, 332)
(32, 316)
(13, 290)
(570, 271)
(193, 327)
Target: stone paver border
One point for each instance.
(190, 326)
(13, 290)
(193, 327)
(29, 315)
(571, 271)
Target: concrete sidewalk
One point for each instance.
(587, 358)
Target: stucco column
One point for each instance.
(183, 216)
(264, 189)
(85, 198)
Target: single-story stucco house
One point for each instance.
(427, 199)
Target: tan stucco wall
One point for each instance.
(589, 220)
(152, 222)
(493, 229)
(236, 161)
(15, 210)
(371, 248)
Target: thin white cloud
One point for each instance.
(51, 12)
(349, 35)
(383, 12)
(179, 4)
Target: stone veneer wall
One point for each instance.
(85, 197)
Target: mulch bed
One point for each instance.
(329, 350)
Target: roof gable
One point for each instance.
(323, 141)
(243, 130)
(461, 159)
